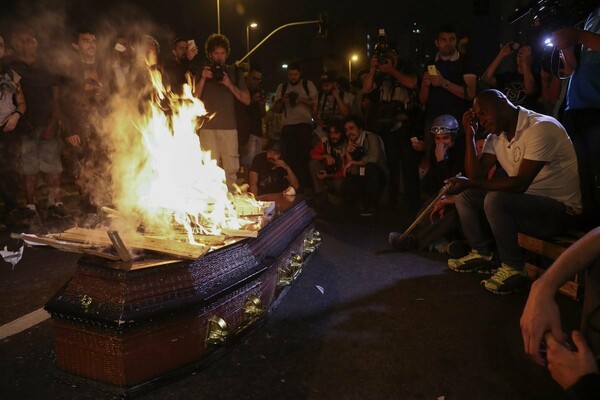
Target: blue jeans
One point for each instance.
(507, 215)
(583, 127)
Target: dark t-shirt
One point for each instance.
(218, 99)
(441, 101)
(513, 86)
(269, 180)
(38, 88)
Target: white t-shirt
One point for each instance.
(540, 137)
(300, 113)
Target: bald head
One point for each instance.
(494, 111)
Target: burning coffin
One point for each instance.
(126, 325)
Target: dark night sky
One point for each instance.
(197, 19)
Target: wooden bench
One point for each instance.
(541, 253)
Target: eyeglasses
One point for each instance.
(442, 130)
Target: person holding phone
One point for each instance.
(178, 70)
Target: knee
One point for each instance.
(496, 201)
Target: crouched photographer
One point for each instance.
(365, 171)
(326, 163)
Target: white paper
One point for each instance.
(12, 257)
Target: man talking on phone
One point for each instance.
(539, 197)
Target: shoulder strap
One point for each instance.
(284, 86)
(305, 85)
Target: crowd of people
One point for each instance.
(509, 154)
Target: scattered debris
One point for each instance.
(320, 288)
(12, 257)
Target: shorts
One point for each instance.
(40, 155)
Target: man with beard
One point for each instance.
(540, 195)
(84, 109)
(327, 162)
(269, 173)
(175, 69)
(299, 98)
(449, 84)
(216, 88)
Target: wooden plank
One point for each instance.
(570, 288)
(69, 247)
(162, 246)
(540, 246)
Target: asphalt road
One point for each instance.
(391, 326)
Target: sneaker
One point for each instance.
(408, 242)
(471, 262)
(58, 210)
(457, 248)
(507, 280)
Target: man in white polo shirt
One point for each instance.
(539, 197)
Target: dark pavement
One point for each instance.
(391, 326)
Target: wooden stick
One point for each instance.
(427, 210)
(119, 245)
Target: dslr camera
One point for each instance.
(218, 71)
(358, 153)
(292, 97)
(555, 14)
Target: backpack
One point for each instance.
(284, 87)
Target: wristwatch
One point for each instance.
(446, 84)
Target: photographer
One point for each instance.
(365, 169)
(269, 173)
(327, 162)
(299, 99)
(581, 50)
(394, 115)
(334, 103)
(217, 90)
(521, 87)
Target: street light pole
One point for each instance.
(251, 25)
(218, 17)
(353, 58)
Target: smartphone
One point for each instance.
(432, 70)
(191, 43)
(120, 48)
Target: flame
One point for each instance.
(161, 177)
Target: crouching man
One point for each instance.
(539, 197)
(365, 169)
(326, 163)
(269, 173)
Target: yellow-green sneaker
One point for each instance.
(472, 262)
(507, 280)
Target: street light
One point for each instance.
(252, 25)
(354, 57)
(218, 17)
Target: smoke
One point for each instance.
(105, 116)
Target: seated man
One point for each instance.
(326, 163)
(365, 169)
(269, 173)
(447, 159)
(576, 370)
(540, 195)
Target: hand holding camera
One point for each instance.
(218, 72)
(292, 98)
